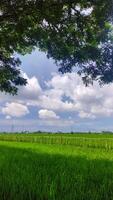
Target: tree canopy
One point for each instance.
(75, 33)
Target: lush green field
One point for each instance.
(52, 167)
(104, 141)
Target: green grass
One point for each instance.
(83, 140)
(42, 170)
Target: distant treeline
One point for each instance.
(58, 132)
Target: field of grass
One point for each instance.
(56, 167)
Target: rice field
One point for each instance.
(56, 167)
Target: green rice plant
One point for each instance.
(33, 171)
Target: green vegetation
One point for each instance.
(81, 140)
(73, 33)
(56, 167)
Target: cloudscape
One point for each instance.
(55, 102)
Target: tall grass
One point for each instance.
(71, 169)
(90, 140)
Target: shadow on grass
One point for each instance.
(27, 175)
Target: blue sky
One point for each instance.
(55, 102)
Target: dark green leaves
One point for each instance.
(10, 76)
(74, 33)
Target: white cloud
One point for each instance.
(48, 102)
(28, 93)
(87, 11)
(47, 114)
(89, 102)
(63, 93)
(83, 11)
(15, 110)
(31, 91)
(86, 115)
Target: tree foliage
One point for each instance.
(75, 33)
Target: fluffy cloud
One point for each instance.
(31, 91)
(89, 102)
(86, 115)
(47, 114)
(63, 93)
(48, 102)
(26, 94)
(15, 110)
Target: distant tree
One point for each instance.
(75, 33)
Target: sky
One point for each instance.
(54, 102)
